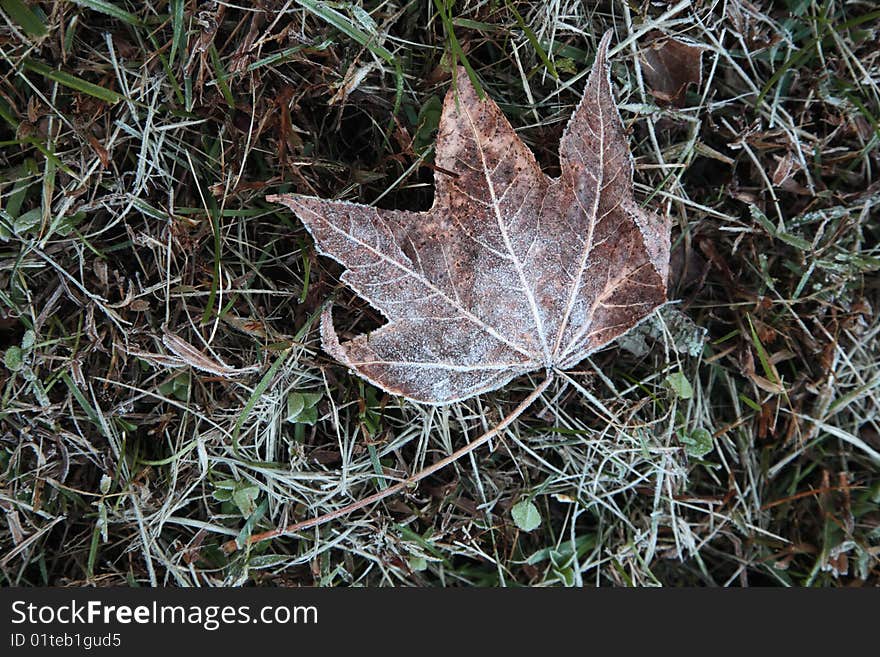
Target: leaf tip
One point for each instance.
(602, 48)
(278, 198)
(293, 201)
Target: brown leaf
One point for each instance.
(786, 167)
(669, 66)
(188, 354)
(510, 271)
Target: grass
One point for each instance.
(163, 390)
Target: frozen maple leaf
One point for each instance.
(510, 271)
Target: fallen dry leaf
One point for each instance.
(669, 66)
(510, 271)
(187, 354)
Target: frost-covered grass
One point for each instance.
(164, 390)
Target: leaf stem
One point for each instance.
(232, 546)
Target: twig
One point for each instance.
(232, 546)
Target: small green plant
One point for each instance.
(680, 385)
(19, 360)
(239, 495)
(178, 387)
(526, 515)
(302, 407)
(697, 443)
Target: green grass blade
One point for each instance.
(458, 53)
(763, 357)
(218, 247)
(220, 74)
(81, 400)
(344, 25)
(260, 388)
(280, 57)
(110, 9)
(530, 35)
(178, 31)
(25, 17)
(72, 82)
(268, 378)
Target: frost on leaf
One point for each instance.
(510, 271)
